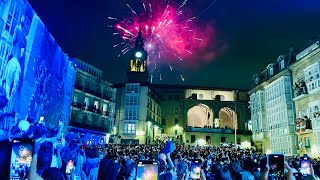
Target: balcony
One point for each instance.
(216, 130)
(76, 105)
(85, 124)
(300, 90)
(107, 97)
(154, 122)
(105, 113)
(78, 86)
(303, 125)
(93, 92)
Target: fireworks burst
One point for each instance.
(171, 33)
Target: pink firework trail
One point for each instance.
(171, 33)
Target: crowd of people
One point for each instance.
(59, 157)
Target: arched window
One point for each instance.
(200, 115)
(228, 118)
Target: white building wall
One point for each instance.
(259, 125)
(280, 116)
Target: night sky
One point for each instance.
(253, 33)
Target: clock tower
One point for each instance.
(137, 70)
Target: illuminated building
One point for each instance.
(285, 104)
(306, 83)
(272, 108)
(205, 116)
(138, 111)
(93, 105)
(147, 112)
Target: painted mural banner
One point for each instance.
(36, 76)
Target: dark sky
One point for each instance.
(255, 33)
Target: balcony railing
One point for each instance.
(107, 97)
(303, 125)
(77, 105)
(216, 130)
(106, 113)
(154, 122)
(78, 86)
(97, 125)
(93, 92)
(300, 90)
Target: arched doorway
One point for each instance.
(228, 118)
(200, 116)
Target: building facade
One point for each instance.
(138, 111)
(306, 83)
(272, 108)
(148, 113)
(205, 116)
(93, 105)
(138, 114)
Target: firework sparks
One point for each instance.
(169, 33)
(131, 9)
(181, 77)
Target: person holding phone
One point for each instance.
(289, 175)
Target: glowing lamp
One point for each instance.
(201, 142)
(176, 126)
(246, 144)
(138, 54)
(268, 151)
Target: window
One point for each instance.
(176, 97)
(271, 71)
(78, 80)
(312, 77)
(208, 139)
(104, 107)
(307, 142)
(96, 104)
(223, 139)
(193, 138)
(282, 64)
(176, 132)
(132, 88)
(131, 100)
(131, 114)
(163, 121)
(13, 18)
(129, 128)
(176, 121)
(87, 84)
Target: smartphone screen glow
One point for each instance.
(147, 171)
(305, 168)
(195, 171)
(276, 164)
(21, 158)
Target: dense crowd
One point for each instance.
(56, 156)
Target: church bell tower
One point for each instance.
(137, 70)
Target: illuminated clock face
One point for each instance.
(138, 54)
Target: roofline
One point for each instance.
(173, 86)
(87, 64)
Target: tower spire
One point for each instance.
(139, 41)
(137, 70)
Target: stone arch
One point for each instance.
(200, 115)
(228, 118)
